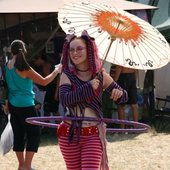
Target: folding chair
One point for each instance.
(161, 115)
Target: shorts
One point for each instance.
(128, 82)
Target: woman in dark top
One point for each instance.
(82, 143)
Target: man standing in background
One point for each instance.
(126, 78)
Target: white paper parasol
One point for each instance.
(122, 38)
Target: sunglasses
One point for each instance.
(79, 49)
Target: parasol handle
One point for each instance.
(112, 39)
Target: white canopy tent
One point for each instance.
(11, 11)
(31, 6)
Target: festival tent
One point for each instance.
(161, 20)
(18, 12)
(31, 6)
(13, 9)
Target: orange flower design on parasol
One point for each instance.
(118, 26)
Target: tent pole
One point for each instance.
(49, 38)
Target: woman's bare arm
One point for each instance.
(38, 79)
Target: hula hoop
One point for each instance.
(138, 127)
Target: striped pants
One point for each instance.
(85, 155)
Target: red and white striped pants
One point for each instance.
(85, 155)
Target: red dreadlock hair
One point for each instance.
(95, 63)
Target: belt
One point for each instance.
(64, 128)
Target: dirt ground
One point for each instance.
(146, 151)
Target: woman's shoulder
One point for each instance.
(64, 79)
(69, 74)
(10, 64)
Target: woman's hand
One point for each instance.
(95, 83)
(116, 94)
(58, 68)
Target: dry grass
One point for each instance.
(147, 151)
